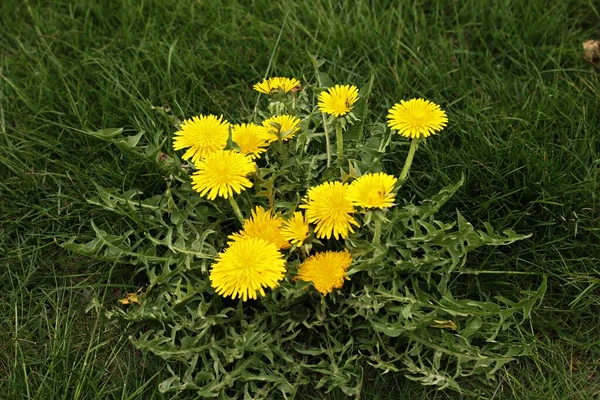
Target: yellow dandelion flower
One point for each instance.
(264, 225)
(295, 229)
(325, 270)
(285, 126)
(130, 298)
(329, 206)
(338, 100)
(417, 118)
(270, 85)
(202, 136)
(250, 138)
(222, 173)
(373, 191)
(246, 267)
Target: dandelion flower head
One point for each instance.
(201, 136)
(270, 85)
(246, 267)
(250, 138)
(325, 270)
(417, 118)
(223, 173)
(338, 100)
(330, 208)
(295, 229)
(373, 191)
(264, 225)
(281, 125)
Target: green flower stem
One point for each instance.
(340, 143)
(327, 148)
(282, 150)
(377, 233)
(236, 209)
(409, 159)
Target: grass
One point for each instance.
(523, 109)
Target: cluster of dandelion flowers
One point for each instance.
(330, 208)
(373, 191)
(270, 85)
(264, 225)
(223, 173)
(417, 118)
(250, 138)
(338, 100)
(284, 126)
(202, 136)
(295, 229)
(246, 267)
(326, 270)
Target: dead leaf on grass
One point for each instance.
(591, 52)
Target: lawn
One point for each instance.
(523, 107)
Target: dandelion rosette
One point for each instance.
(326, 270)
(250, 138)
(338, 100)
(271, 85)
(285, 126)
(417, 118)
(264, 225)
(223, 173)
(295, 229)
(246, 267)
(330, 208)
(373, 191)
(202, 136)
